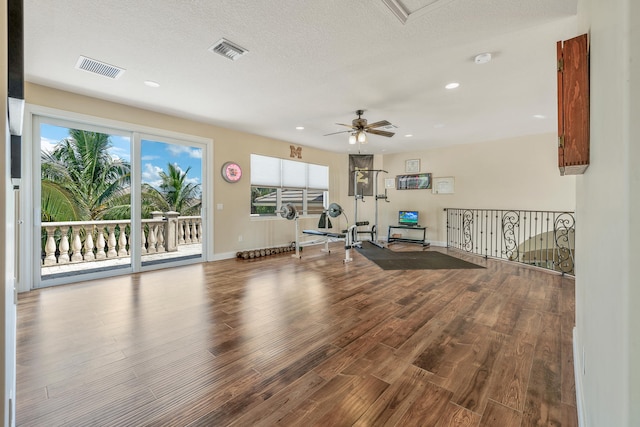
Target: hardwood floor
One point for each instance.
(281, 341)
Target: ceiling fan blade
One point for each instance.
(342, 124)
(335, 133)
(381, 123)
(380, 132)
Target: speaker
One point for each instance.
(16, 157)
(15, 48)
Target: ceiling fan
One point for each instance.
(360, 128)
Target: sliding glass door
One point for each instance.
(108, 201)
(171, 196)
(85, 200)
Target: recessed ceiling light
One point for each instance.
(151, 83)
(452, 85)
(300, 127)
(539, 116)
(408, 135)
(438, 125)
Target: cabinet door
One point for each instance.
(573, 105)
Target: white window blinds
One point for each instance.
(273, 172)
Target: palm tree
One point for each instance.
(174, 194)
(81, 181)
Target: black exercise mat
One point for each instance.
(427, 260)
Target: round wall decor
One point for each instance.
(231, 172)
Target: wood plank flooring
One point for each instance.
(310, 342)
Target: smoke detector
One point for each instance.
(482, 58)
(228, 49)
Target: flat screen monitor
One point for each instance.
(408, 218)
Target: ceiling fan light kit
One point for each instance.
(362, 137)
(360, 128)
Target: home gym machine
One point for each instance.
(374, 229)
(290, 212)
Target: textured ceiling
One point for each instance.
(313, 63)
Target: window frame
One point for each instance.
(278, 184)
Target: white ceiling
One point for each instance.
(313, 63)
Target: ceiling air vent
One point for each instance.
(227, 49)
(97, 67)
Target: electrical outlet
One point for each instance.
(240, 238)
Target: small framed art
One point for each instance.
(412, 166)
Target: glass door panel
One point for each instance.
(85, 202)
(171, 202)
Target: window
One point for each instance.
(276, 182)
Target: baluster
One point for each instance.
(187, 232)
(64, 246)
(100, 253)
(76, 246)
(198, 226)
(161, 247)
(143, 248)
(122, 241)
(194, 231)
(181, 232)
(111, 250)
(152, 238)
(88, 246)
(50, 247)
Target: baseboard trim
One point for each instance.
(223, 255)
(577, 372)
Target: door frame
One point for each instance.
(29, 247)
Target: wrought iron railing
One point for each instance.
(541, 238)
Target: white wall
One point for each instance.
(608, 208)
(518, 173)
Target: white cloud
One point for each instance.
(149, 157)
(151, 175)
(177, 150)
(120, 153)
(48, 145)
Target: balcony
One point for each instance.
(78, 246)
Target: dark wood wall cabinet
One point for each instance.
(573, 105)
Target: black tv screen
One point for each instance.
(408, 218)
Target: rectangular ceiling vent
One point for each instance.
(227, 49)
(97, 67)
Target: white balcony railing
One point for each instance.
(76, 242)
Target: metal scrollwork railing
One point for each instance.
(467, 225)
(563, 234)
(541, 238)
(510, 224)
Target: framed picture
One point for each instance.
(416, 181)
(412, 166)
(444, 185)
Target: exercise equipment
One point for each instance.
(374, 229)
(290, 212)
(334, 210)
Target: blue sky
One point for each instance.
(155, 155)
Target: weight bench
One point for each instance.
(322, 237)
